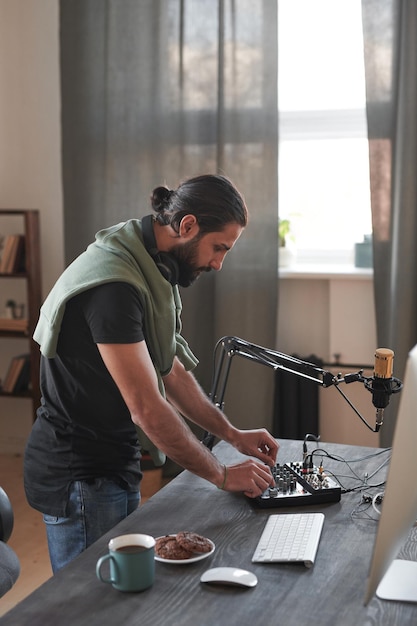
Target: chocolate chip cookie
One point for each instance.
(168, 548)
(193, 542)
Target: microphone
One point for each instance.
(382, 383)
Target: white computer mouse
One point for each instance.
(229, 576)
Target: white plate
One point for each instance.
(193, 559)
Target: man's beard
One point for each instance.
(185, 256)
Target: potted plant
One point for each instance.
(284, 229)
(285, 252)
(10, 308)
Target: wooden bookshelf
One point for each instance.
(25, 266)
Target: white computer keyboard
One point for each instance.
(290, 537)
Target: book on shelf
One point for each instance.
(18, 375)
(13, 257)
(12, 323)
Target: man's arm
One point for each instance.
(132, 370)
(184, 392)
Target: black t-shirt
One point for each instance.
(84, 429)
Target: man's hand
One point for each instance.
(249, 477)
(258, 443)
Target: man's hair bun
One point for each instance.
(160, 198)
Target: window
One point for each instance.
(323, 147)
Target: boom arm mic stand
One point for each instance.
(234, 346)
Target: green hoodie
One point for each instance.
(118, 254)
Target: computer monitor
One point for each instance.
(389, 577)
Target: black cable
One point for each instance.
(364, 484)
(354, 409)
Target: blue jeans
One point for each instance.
(93, 509)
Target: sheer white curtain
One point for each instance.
(155, 91)
(390, 39)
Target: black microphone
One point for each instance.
(382, 383)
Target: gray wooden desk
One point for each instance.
(331, 593)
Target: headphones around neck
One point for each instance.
(164, 261)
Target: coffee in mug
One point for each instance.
(132, 562)
(131, 549)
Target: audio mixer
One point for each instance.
(298, 484)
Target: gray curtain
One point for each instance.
(390, 42)
(155, 91)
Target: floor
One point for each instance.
(28, 539)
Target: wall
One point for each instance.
(30, 165)
(331, 314)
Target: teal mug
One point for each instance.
(132, 562)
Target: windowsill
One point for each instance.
(324, 271)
